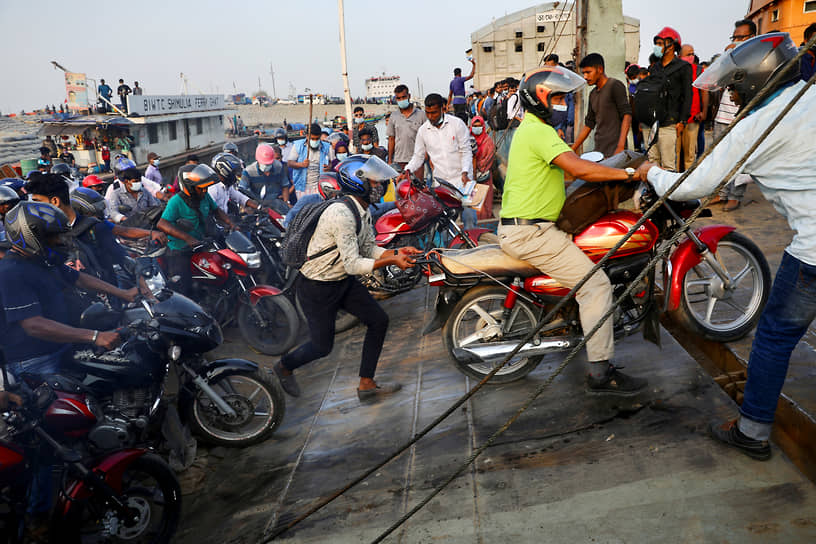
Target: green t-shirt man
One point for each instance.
(533, 186)
(177, 209)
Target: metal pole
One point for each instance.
(581, 17)
(346, 92)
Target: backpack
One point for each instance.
(650, 96)
(498, 115)
(301, 229)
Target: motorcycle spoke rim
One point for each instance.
(257, 415)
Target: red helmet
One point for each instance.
(669, 32)
(92, 181)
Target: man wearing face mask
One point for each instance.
(609, 112)
(309, 158)
(128, 193)
(367, 146)
(402, 129)
(341, 250)
(269, 172)
(152, 171)
(674, 76)
(359, 124)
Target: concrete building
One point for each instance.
(518, 42)
(791, 16)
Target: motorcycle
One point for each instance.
(228, 402)
(715, 283)
(223, 271)
(128, 494)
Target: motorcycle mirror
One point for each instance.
(593, 156)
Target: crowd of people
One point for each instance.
(105, 92)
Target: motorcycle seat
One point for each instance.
(487, 258)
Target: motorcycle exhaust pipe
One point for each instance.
(496, 352)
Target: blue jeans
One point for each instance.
(790, 310)
(469, 217)
(42, 365)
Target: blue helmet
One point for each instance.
(358, 171)
(122, 163)
(15, 183)
(29, 224)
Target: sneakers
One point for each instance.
(382, 389)
(729, 434)
(288, 382)
(616, 382)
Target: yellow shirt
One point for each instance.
(533, 187)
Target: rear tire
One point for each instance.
(273, 331)
(468, 319)
(726, 316)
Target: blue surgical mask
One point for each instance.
(477, 130)
(658, 51)
(359, 120)
(281, 141)
(314, 144)
(403, 104)
(559, 107)
(342, 156)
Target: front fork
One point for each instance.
(216, 399)
(705, 252)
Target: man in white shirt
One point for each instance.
(783, 170)
(446, 140)
(228, 167)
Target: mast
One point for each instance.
(346, 92)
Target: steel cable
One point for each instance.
(761, 95)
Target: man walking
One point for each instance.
(341, 248)
(456, 95)
(609, 112)
(402, 129)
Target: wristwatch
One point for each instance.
(631, 172)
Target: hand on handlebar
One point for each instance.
(403, 260)
(107, 339)
(159, 236)
(642, 171)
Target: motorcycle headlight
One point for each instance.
(253, 259)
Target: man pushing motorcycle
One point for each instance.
(533, 196)
(783, 167)
(342, 247)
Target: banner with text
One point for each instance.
(553, 16)
(76, 90)
(165, 104)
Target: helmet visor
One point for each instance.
(718, 75)
(375, 169)
(558, 79)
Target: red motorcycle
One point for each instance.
(223, 271)
(128, 494)
(715, 283)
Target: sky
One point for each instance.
(224, 47)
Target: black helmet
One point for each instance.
(29, 224)
(8, 196)
(280, 133)
(61, 169)
(537, 88)
(230, 147)
(749, 66)
(88, 202)
(228, 166)
(200, 176)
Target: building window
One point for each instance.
(487, 48)
(541, 28)
(199, 126)
(518, 47)
(774, 15)
(518, 34)
(542, 46)
(153, 133)
(172, 128)
(810, 6)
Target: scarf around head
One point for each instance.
(481, 137)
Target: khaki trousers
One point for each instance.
(690, 144)
(553, 252)
(664, 152)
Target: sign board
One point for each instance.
(76, 90)
(553, 16)
(165, 104)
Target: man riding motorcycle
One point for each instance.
(228, 167)
(532, 200)
(782, 167)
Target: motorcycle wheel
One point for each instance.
(273, 331)
(257, 399)
(477, 318)
(149, 487)
(707, 309)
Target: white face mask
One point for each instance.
(135, 186)
(281, 141)
(559, 107)
(359, 120)
(477, 130)
(314, 144)
(342, 156)
(264, 167)
(156, 162)
(366, 147)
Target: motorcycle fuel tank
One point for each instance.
(446, 195)
(603, 234)
(389, 225)
(208, 267)
(69, 415)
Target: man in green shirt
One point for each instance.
(533, 197)
(193, 205)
